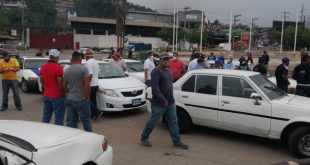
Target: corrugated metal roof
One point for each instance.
(113, 21)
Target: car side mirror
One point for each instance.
(257, 98)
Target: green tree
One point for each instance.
(41, 13)
(193, 35)
(165, 34)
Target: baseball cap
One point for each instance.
(285, 59)
(116, 54)
(163, 55)
(54, 53)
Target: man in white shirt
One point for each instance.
(148, 67)
(193, 63)
(93, 68)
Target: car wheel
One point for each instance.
(299, 142)
(184, 121)
(24, 86)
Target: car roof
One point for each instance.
(83, 61)
(130, 60)
(225, 72)
(35, 58)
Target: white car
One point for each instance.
(105, 51)
(34, 143)
(117, 90)
(29, 72)
(244, 102)
(135, 68)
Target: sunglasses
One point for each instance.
(166, 58)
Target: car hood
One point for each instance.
(120, 83)
(299, 101)
(138, 75)
(40, 135)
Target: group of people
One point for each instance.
(72, 90)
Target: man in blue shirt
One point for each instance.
(163, 103)
(230, 64)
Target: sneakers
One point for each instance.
(3, 109)
(146, 143)
(181, 146)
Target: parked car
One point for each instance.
(34, 143)
(28, 74)
(105, 51)
(244, 102)
(135, 69)
(117, 90)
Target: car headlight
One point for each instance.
(33, 79)
(108, 92)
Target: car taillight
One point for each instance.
(105, 145)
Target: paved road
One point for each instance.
(207, 146)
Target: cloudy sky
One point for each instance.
(265, 10)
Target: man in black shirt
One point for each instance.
(265, 56)
(301, 74)
(260, 67)
(282, 74)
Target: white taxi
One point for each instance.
(29, 72)
(243, 102)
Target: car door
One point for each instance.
(238, 112)
(200, 96)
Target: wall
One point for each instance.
(103, 41)
(45, 40)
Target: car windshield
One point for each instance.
(135, 67)
(271, 90)
(34, 63)
(107, 70)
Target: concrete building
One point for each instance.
(100, 33)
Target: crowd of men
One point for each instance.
(73, 90)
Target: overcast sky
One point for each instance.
(265, 10)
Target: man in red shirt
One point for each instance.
(51, 77)
(177, 67)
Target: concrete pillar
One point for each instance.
(106, 32)
(74, 33)
(27, 44)
(91, 31)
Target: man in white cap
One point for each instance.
(51, 77)
(93, 69)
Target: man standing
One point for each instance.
(201, 64)
(93, 69)
(250, 56)
(260, 67)
(193, 62)
(265, 56)
(301, 74)
(163, 103)
(243, 63)
(281, 74)
(76, 83)
(230, 64)
(8, 68)
(51, 77)
(148, 68)
(211, 57)
(177, 67)
(119, 62)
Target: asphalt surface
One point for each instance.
(207, 146)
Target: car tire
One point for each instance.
(299, 142)
(184, 121)
(24, 86)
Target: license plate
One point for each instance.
(136, 101)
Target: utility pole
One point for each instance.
(120, 23)
(234, 26)
(23, 27)
(302, 12)
(251, 29)
(283, 22)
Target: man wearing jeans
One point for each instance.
(8, 68)
(163, 103)
(76, 83)
(93, 69)
(51, 77)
